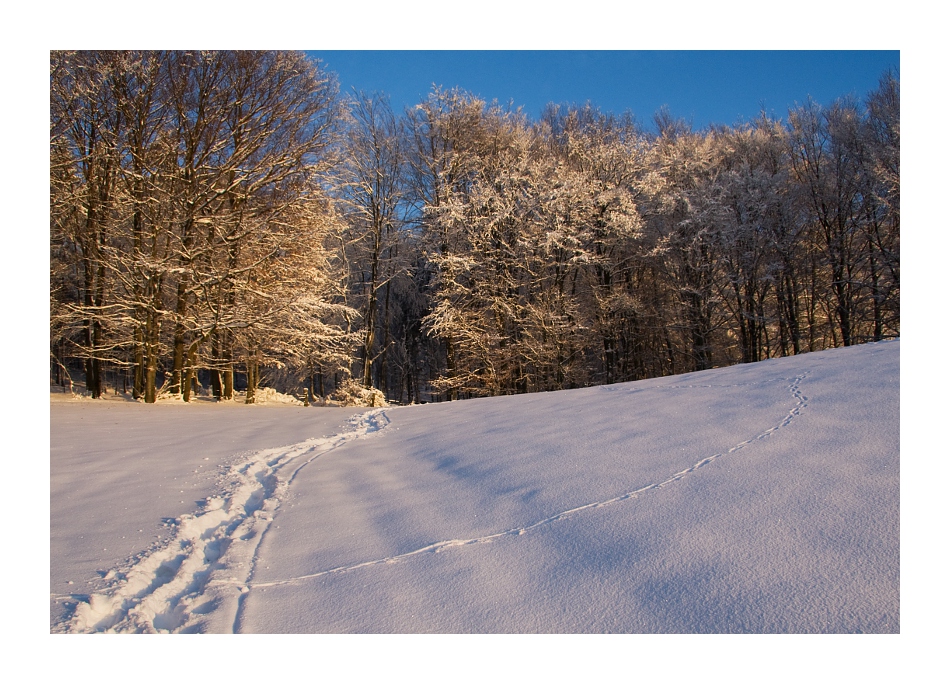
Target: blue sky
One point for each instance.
(703, 87)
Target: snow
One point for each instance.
(122, 473)
(759, 498)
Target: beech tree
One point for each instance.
(684, 219)
(748, 193)
(825, 163)
(440, 131)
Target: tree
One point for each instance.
(882, 202)
(373, 191)
(600, 164)
(683, 217)
(85, 126)
(440, 131)
(826, 162)
(750, 194)
(175, 178)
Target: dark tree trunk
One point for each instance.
(190, 371)
(253, 377)
(138, 381)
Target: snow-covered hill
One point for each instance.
(756, 498)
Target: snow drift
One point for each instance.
(756, 498)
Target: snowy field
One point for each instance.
(761, 498)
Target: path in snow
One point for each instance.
(165, 590)
(122, 472)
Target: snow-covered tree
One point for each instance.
(372, 188)
(177, 177)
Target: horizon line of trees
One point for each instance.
(227, 220)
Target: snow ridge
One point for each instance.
(167, 589)
(801, 402)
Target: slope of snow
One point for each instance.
(757, 498)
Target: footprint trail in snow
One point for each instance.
(169, 589)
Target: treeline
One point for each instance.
(229, 220)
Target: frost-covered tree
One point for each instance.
(750, 214)
(289, 305)
(372, 188)
(826, 162)
(684, 215)
(256, 130)
(440, 132)
(598, 226)
(481, 283)
(882, 199)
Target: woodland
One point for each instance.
(227, 221)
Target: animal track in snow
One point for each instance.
(801, 401)
(166, 586)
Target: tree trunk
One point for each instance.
(227, 393)
(93, 378)
(190, 370)
(138, 382)
(151, 368)
(453, 393)
(227, 375)
(383, 381)
(178, 362)
(216, 385)
(253, 377)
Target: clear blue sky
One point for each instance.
(703, 87)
